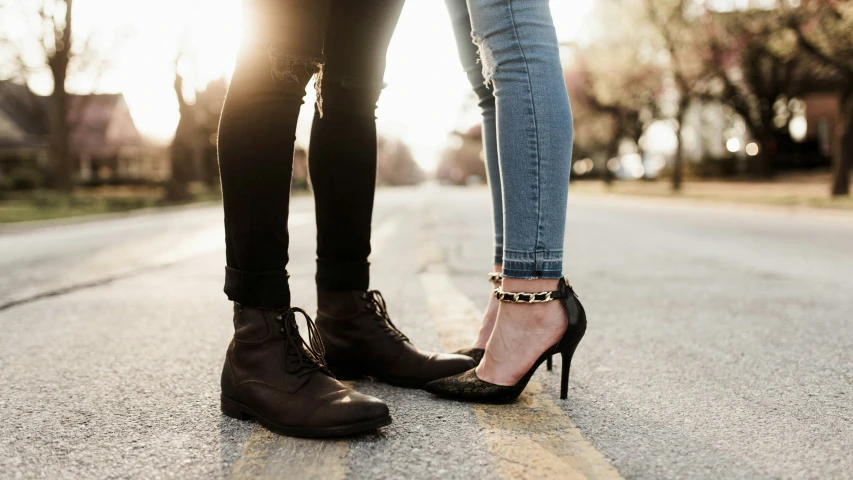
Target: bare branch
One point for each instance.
(816, 51)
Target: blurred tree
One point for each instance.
(185, 145)
(822, 29)
(48, 44)
(682, 33)
(760, 71)
(614, 79)
(193, 149)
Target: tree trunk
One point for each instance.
(842, 158)
(60, 154)
(612, 152)
(678, 163)
(182, 151)
(767, 150)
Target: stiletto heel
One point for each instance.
(550, 363)
(566, 356)
(467, 386)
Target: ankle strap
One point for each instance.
(532, 297)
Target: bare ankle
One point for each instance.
(530, 285)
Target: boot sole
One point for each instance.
(241, 412)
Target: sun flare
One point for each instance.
(420, 105)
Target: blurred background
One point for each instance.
(720, 334)
(114, 105)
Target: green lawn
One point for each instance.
(45, 205)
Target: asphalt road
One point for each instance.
(720, 346)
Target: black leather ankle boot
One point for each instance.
(362, 341)
(272, 375)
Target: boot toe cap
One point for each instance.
(355, 408)
(442, 365)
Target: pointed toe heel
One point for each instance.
(467, 386)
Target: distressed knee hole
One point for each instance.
(283, 67)
(487, 58)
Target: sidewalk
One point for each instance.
(801, 192)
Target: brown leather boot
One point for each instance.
(272, 375)
(361, 341)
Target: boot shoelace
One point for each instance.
(376, 304)
(311, 354)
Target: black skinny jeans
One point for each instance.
(344, 42)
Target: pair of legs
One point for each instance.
(272, 373)
(345, 44)
(510, 53)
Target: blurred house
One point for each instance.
(395, 164)
(104, 142)
(462, 162)
(821, 120)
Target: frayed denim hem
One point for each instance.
(532, 265)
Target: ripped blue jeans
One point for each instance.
(514, 67)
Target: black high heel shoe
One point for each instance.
(478, 353)
(466, 386)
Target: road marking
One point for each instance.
(380, 235)
(532, 438)
(269, 455)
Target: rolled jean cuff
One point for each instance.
(342, 275)
(259, 290)
(531, 265)
(499, 254)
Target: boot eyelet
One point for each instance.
(364, 296)
(281, 330)
(278, 318)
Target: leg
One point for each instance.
(518, 48)
(470, 59)
(256, 140)
(342, 157)
(270, 372)
(520, 57)
(357, 331)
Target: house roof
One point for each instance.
(96, 121)
(27, 112)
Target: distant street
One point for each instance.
(720, 345)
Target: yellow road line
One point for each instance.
(532, 438)
(269, 455)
